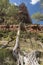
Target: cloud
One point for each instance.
(15, 4)
(33, 2)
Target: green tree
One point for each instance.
(38, 16)
(8, 12)
(11, 14)
(3, 7)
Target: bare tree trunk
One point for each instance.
(25, 59)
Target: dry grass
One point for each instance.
(25, 44)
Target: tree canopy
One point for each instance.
(38, 16)
(8, 12)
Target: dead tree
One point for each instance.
(24, 58)
(16, 50)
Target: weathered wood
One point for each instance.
(31, 59)
(22, 57)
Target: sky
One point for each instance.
(33, 6)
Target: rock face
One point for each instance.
(29, 27)
(24, 15)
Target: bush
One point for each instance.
(6, 55)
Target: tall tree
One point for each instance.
(8, 12)
(3, 7)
